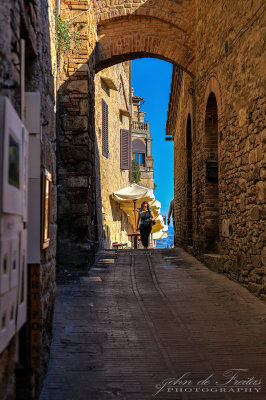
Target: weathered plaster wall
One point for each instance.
(112, 177)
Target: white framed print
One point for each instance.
(12, 154)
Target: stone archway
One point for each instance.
(162, 29)
(109, 34)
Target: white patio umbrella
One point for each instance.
(131, 197)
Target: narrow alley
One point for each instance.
(140, 317)
(132, 200)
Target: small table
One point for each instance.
(119, 245)
(134, 238)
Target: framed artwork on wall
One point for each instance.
(46, 200)
(11, 170)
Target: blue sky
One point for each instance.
(151, 79)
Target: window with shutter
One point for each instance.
(125, 149)
(105, 145)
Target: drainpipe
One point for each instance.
(130, 120)
(58, 9)
(130, 88)
(58, 6)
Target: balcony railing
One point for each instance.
(140, 126)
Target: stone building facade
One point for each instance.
(141, 144)
(217, 120)
(28, 67)
(77, 238)
(112, 125)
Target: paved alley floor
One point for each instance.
(155, 324)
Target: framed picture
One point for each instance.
(46, 200)
(12, 155)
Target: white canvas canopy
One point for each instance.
(133, 192)
(130, 199)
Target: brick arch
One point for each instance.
(162, 29)
(189, 113)
(177, 12)
(213, 86)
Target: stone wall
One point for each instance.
(229, 64)
(181, 186)
(34, 24)
(77, 216)
(111, 177)
(146, 177)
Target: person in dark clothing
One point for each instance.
(171, 211)
(145, 223)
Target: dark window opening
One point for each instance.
(140, 158)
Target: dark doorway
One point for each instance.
(189, 217)
(211, 185)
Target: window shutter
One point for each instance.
(138, 146)
(125, 147)
(105, 144)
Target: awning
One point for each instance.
(131, 197)
(133, 192)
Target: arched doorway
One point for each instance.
(211, 208)
(189, 217)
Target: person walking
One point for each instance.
(146, 220)
(172, 212)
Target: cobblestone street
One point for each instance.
(140, 317)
